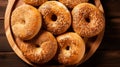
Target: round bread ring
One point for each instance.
(71, 3)
(35, 2)
(26, 22)
(91, 20)
(72, 48)
(40, 49)
(63, 18)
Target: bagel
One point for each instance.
(71, 3)
(26, 22)
(35, 2)
(72, 48)
(57, 18)
(40, 49)
(88, 20)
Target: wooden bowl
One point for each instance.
(91, 43)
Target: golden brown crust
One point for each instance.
(35, 2)
(63, 21)
(40, 49)
(72, 3)
(25, 22)
(88, 21)
(72, 48)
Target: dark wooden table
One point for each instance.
(107, 55)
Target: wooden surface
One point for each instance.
(107, 55)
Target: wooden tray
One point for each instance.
(91, 44)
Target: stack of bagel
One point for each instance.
(54, 30)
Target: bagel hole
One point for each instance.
(87, 19)
(54, 17)
(23, 22)
(37, 45)
(68, 48)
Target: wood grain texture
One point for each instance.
(10, 59)
(104, 59)
(108, 54)
(99, 59)
(112, 14)
(2, 30)
(4, 45)
(3, 4)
